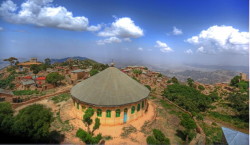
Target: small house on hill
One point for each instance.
(6, 95)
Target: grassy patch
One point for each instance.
(127, 131)
(213, 134)
(25, 92)
(230, 119)
(60, 98)
(61, 125)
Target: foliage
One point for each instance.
(88, 121)
(47, 61)
(148, 87)
(239, 102)
(228, 118)
(12, 60)
(190, 82)
(25, 92)
(200, 87)
(7, 83)
(213, 134)
(137, 71)
(234, 81)
(241, 84)
(174, 80)
(158, 138)
(214, 96)
(54, 78)
(199, 117)
(187, 97)
(5, 111)
(159, 75)
(60, 98)
(35, 68)
(88, 138)
(93, 72)
(33, 121)
(188, 122)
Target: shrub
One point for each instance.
(25, 92)
(137, 71)
(148, 87)
(199, 117)
(151, 140)
(93, 72)
(158, 138)
(158, 135)
(200, 87)
(88, 138)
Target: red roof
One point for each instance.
(27, 77)
(41, 78)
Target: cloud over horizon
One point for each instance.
(42, 13)
(163, 46)
(177, 31)
(123, 28)
(189, 51)
(221, 39)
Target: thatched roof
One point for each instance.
(110, 87)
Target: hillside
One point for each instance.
(205, 77)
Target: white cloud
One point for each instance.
(1, 28)
(189, 51)
(224, 39)
(177, 31)
(109, 40)
(42, 13)
(201, 49)
(122, 28)
(163, 46)
(141, 49)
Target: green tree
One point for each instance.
(96, 126)
(33, 122)
(36, 69)
(93, 72)
(11, 60)
(47, 61)
(190, 82)
(200, 87)
(54, 78)
(158, 138)
(87, 120)
(235, 81)
(188, 123)
(137, 71)
(174, 80)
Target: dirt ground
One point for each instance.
(68, 112)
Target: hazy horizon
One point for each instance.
(162, 33)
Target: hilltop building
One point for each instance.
(115, 97)
(23, 65)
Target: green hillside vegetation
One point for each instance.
(188, 98)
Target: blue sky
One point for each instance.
(156, 32)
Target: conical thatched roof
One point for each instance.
(110, 87)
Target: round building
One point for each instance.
(115, 97)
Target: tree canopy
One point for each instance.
(187, 97)
(54, 78)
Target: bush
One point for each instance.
(25, 92)
(199, 117)
(188, 122)
(93, 72)
(137, 71)
(88, 138)
(200, 87)
(158, 138)
(151, 140)
(148, 87)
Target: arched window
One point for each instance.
(142, 105)
(133, 110)
(108, 113)
(77, 105)
(99, 112)
(83, 107)
(138, 107)
(117, 112)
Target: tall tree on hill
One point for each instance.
(36, 69)
(174, 80)
(88, 121)
(47, 61)
(12, 60)
(190, 82)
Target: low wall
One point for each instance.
(15, 105)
